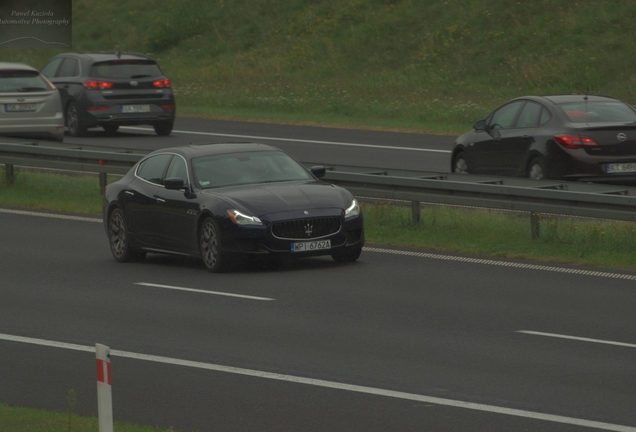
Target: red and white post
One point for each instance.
(104, 389)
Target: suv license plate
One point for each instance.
(135, 108)
(311, 246)
(620, 168)
(19, 107)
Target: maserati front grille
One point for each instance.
(306, 228)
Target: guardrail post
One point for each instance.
(535, 224)
(415, 211)
(104, 389)
(102, 182)
(9, 172)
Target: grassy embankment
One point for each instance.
(431, 67)
(434, 66)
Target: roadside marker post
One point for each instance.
(104, 389)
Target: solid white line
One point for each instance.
(203, 291)
(331, 384)
(560, 336)
(300, 140)
(510, 264)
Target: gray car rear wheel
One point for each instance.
(536, 169)
(74, 122)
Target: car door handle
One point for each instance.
(526, 138)
(161, 200)
(130, 193)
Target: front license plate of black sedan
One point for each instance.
(311, 246)
(620, 168)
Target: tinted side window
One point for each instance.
(152, 169)
(545, 117)
(504, 117)
(70, 68)
(177, 169)
(529, 117)
(50, 68)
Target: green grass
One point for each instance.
(589, 242)
(434, 66)
(22, 419)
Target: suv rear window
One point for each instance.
(126, 69)
(21, 81)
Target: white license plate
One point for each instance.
(135, 108)
(620, 168)
(20, 107)
(311, 246)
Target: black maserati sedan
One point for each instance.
(223, 202)
(567, 137)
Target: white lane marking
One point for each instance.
(332, 385)
(298, 140)
(560, 336)
(203, 291)
(50, 215)
(501, 263)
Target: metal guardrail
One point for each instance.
(507, 193)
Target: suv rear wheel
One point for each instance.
(73, 121)
(163, 128)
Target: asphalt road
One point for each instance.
(391, 150)
(399, 341)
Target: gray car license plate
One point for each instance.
(20, 107)
(620, 168)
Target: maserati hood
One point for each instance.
(268, 198)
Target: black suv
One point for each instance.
(110, 89)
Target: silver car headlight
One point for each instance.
(242, 219)
(353, 210)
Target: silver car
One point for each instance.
(30, 105)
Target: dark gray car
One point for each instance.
(111, 89)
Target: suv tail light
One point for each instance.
(165, 82)
(575, 141)
(97, 85)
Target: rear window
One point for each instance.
(598, 112)
(126, 69)
(22, 81)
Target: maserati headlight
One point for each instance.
(242, 219)
(353, 210)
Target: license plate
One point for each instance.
(311, 246)
(135, 108)
(620, 168)
(21, 107)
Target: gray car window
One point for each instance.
(152, 169)
(529, 117)
(70, 68)
(504, 117)
(49, 70)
